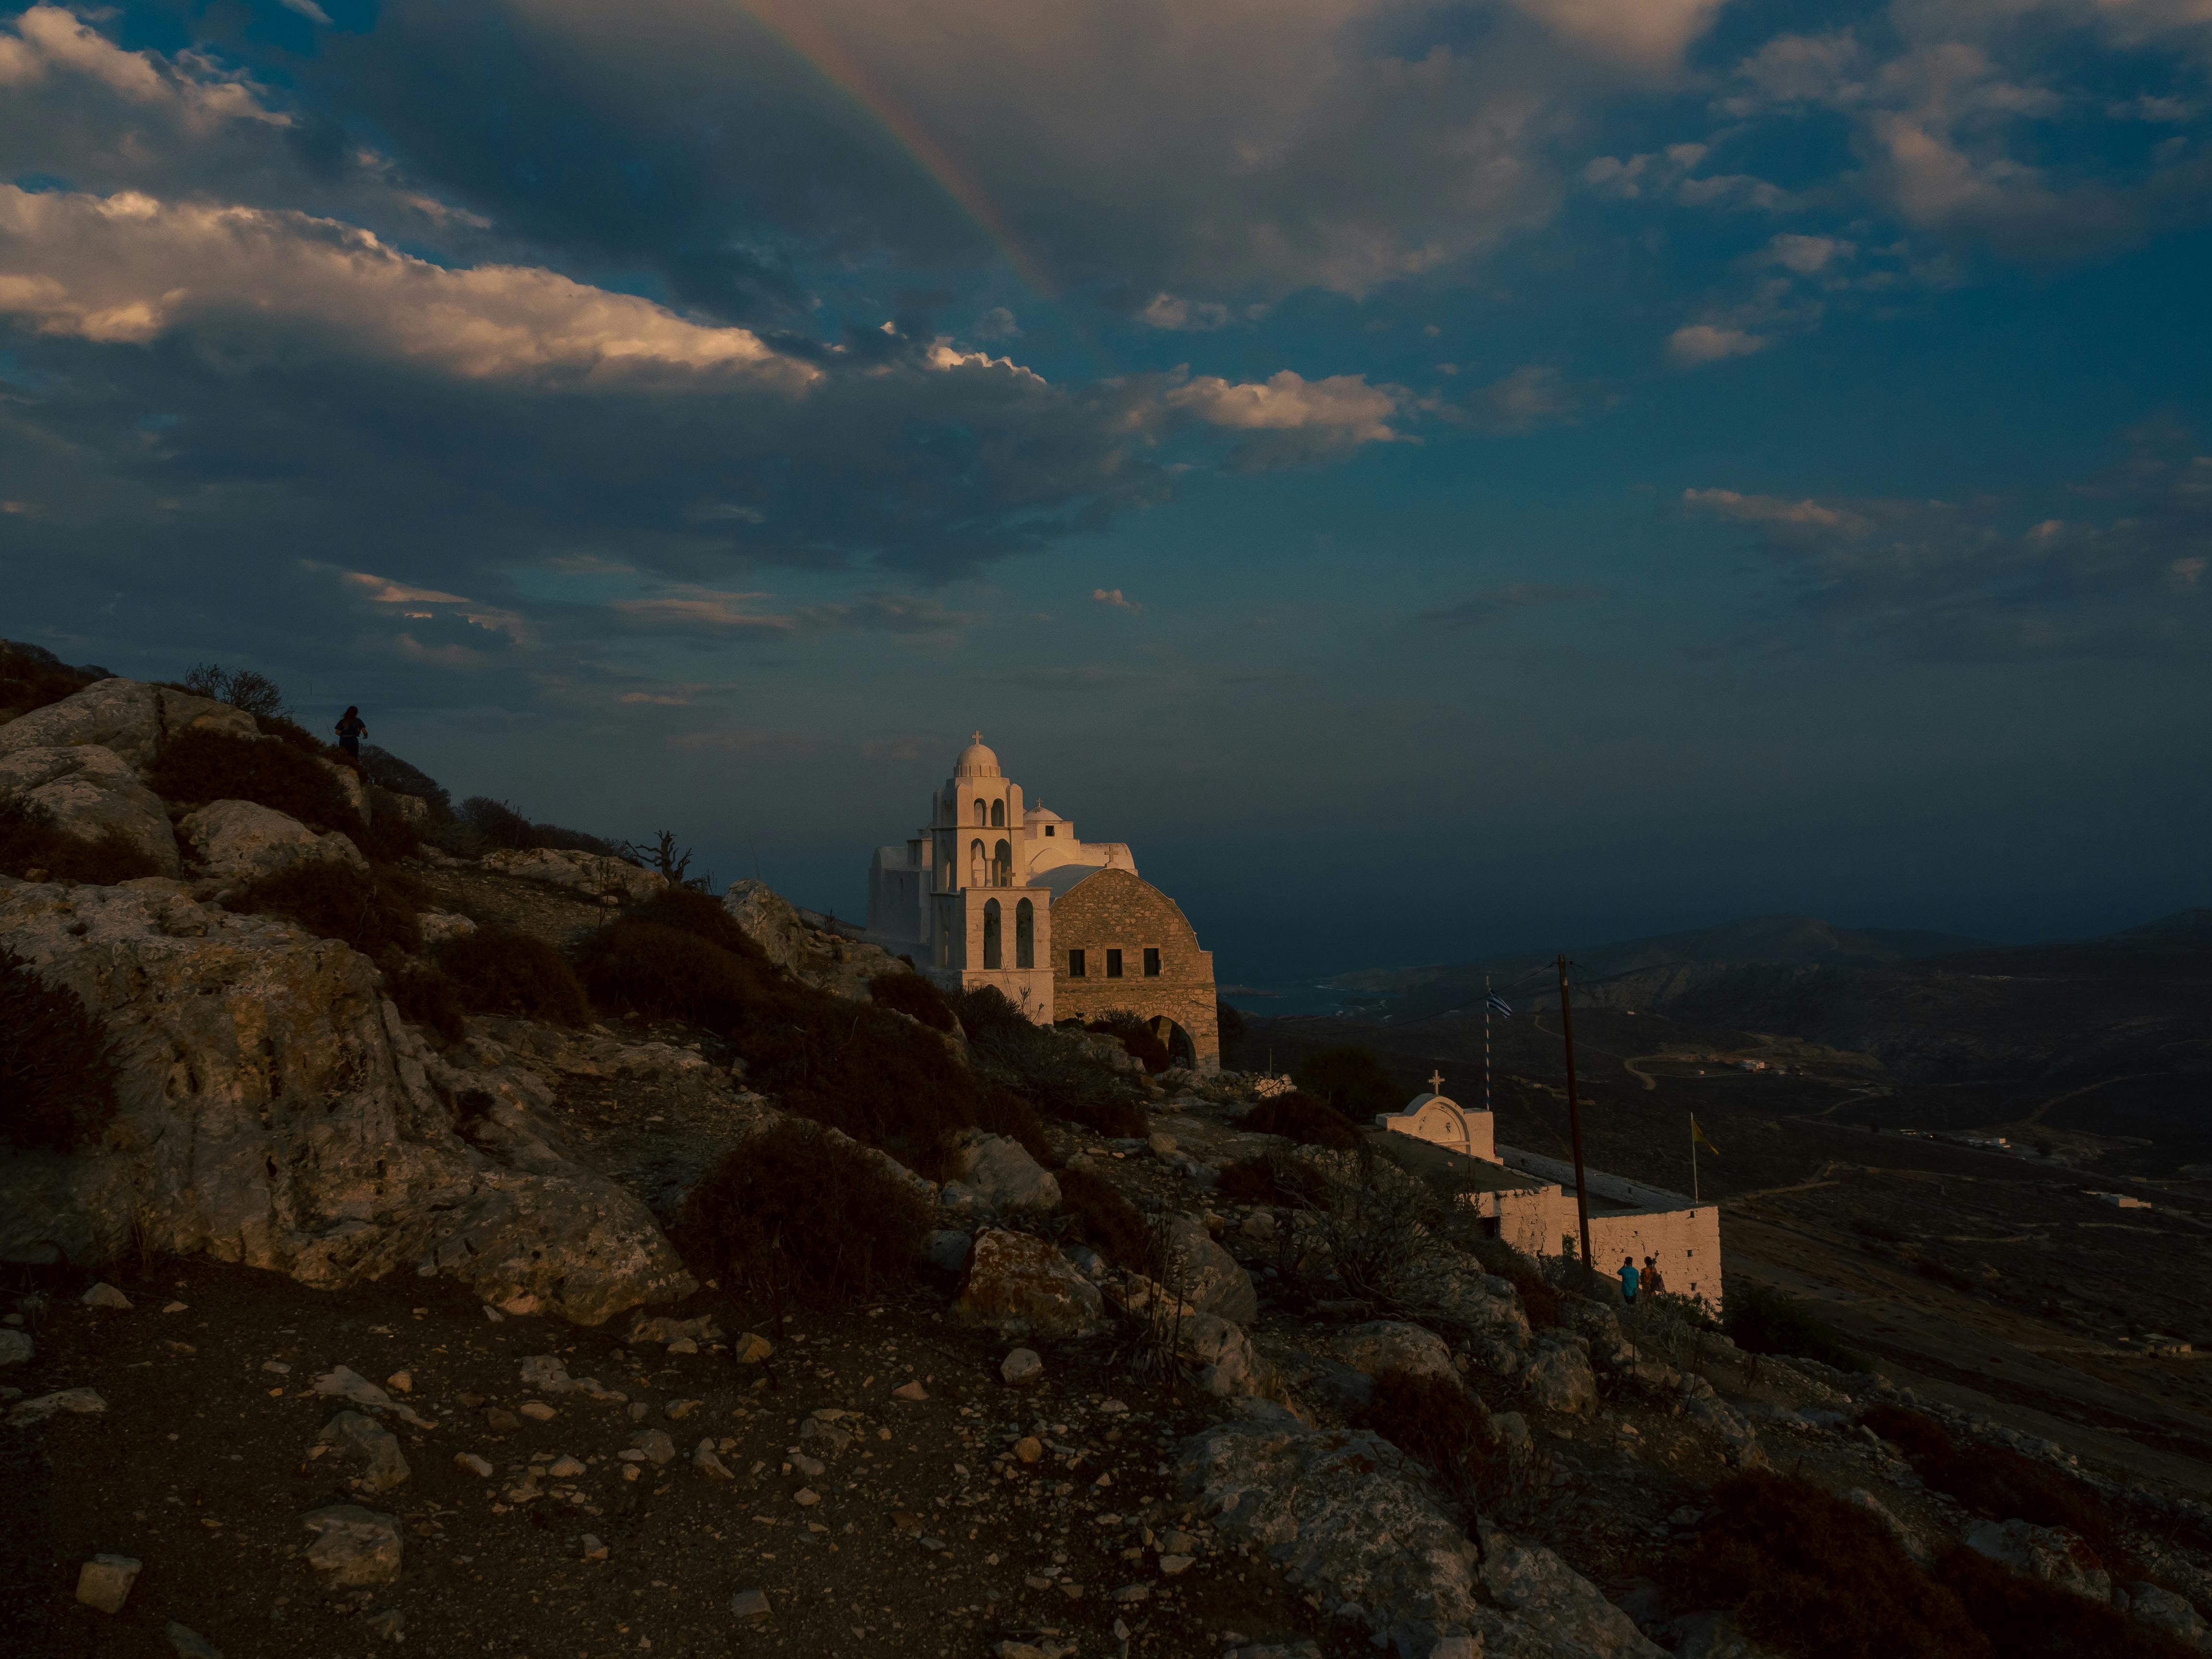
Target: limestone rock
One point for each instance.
(2163, 1610)
(1347, 1516)
(1558, 1379)
(188, 1643)
(592, 874)
(1715, 1636)
(353, 1546)
(1229, 1367)
(1003, 1172)
(1022, 1365)
(1206, 1275)
(236, 841)
(1390, 1345)
(946, 1248)
(83, 1402)
(1026, 1287)
(816, 955)
(15, 1346)
(276, 1112)
(1907, 1540)
(105, 1295)
(2051, 1555)
(132, 719)
(86, 790)
(655, 1444)
(440, 927)
(371, 1446)
(104, 1581)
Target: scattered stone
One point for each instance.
(176, 1307)
(655, 1444)
(1028, 1448)
(709, 1463)
(538, 1411)
(2051, 1555)
(912, 1390)
(1003, 1172)
(1260, 1226)
(594, 1549)
(15, 1348)
(1209, 1277)
(1133, 1593)
(1021, 1365)
(806, 1497)
(347, 1383)
(639, 1411)
(370, 1445)
(1559, 1380)
(751, 1349)
(188, 1643)
(947, 1250)
(81, 1402)
(499, 1420)
(565, 1468)
(811, 1467)
(684, 1345)
(105, 1295)
(1391, 1345)
(104, 1581)
(388, 1625)
(473, 1464)
(1024, 1285)
(749, 1604)
(1174, 1566)
(353, 1546)
(401, 1381)
(679, 1410)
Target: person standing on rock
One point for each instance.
(1629, 1278)
(351, 729)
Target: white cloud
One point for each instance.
(1344, 405)
(1112, 597)
(1703, 342)
(126, 269)
(998, 323)
(51, 44)
(1770, 510)
(1168, 311)
(309, 9)
(691, 609)
(1806, 255)
(1642, 34)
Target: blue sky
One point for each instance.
(1433, 477)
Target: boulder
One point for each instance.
(15, 1346)
(2051, 1555)
(353, 1546)
(276, 1111)
(1715, 1636)
(1004, 1175)
(1558, 1379)
(807, 947)
(592, 874)
(1907, 1540)
(236, 841)
(1348, 1517)
(104, 1581)
(132, 719)
(1390, 1345)
(2163, 1610)
(373, 1450)
(1026, 1287)
(86, 790)
(1207, 1276)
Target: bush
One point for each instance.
(1272, 1179)
(701, 914)
(986, 1011)
(241, 688)
(31, 676)
(58, 1074)
(1000, 1111)
(660, 972)
(1351, 1080)
(858, 1067)
(915, 997)
(1057, 1076)
(2002, 1484)
(1816, 1577)
(1135, 1033)
(202, 766)
(389, 837)
(387, 771)
(497, 970)
(29, 840)
(1300, 1117)
(793, 1217)
(1539, 1298)
(1759, 1320)
(287, 729)
(425, 993)
(1435, 1421)
(1914, 1434)
(496, 824)
(1102, 1217)
(372, 913)
(2024, 1619)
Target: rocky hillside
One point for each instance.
(507, 1249)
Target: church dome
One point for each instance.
(976, 761)
(1042, 814)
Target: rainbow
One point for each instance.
(802, 33)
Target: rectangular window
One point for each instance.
(1075, 964)
(1048, 829)
(1112, 964)
(1152, 962)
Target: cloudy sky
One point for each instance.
(1433, 476)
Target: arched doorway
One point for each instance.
(1182, 1051)
(991, 951)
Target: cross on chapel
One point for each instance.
(1436, 1082)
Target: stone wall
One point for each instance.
(1113, 910)
(1687, 1241)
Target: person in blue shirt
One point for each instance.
(1629, 1278)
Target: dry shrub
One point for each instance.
(1056, 1075)
(389, 837)
(1300, 1117)
(2024, 1620)
(1107, 1221)
(1815, 1578)
(793, 1217)
(1914, 1434)
(203, 766)
(1435, 1420)
(1135, 1033)
(29, 840)
(288, 731)
(701, 914)
(668, 973)
(1759, 1320)
(1116, 1116)
(1539, 1298)
(31, 676)
(1000, 1111)
(425, 993)
(498, 971)
(374, 913)
(56, 1066)
(913, 995)
(1274, 1180)
(858, 1067)
(2003, 1484)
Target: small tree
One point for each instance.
(241, 688)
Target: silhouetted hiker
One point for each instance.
(1628, 1280)
(1651, 1281)
(351, 729)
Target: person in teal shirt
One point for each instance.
(1629, 1278)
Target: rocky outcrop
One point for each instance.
(1348, 1517)
(2051, 1555)
(85, 790)
(1390, 1345)
(1558, 1379)
(1004, 1173)
(1024, 1286)
(611, 881)
(238, 842)
(815, 955)
(1207, 1276)
(276, 1111)
(130, 718)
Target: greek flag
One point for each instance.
(1497, 1005)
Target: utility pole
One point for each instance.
(1575, 1120)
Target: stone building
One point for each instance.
(995, 891)
(1528, 1200)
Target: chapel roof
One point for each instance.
(975, 760)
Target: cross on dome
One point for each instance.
(1436, 1082)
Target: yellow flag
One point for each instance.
(1698, 1136)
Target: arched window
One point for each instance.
(991, 933)
(976, 864)
(1002, 873)
(982, 816)
(1024, 934)
(998, 814)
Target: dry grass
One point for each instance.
(29, 842)
(667, 973)
(2024, 1619)
(1298, 1116)
(1759, 1320)
(499, 971)
(32, 677)
(426, 995)
(1272, 1179)
(374, 913)
(1435, 1420)
(915, 997)
(1815, 1578)
(1102, 1217)
(793, 1219)
(1539, 1298)
(204, 766)
(1046, 1068)
(56, 1068)
(1002, 1112)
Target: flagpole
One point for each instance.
(1486, 1043)
(1575, 1121)
(1693, 1158)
